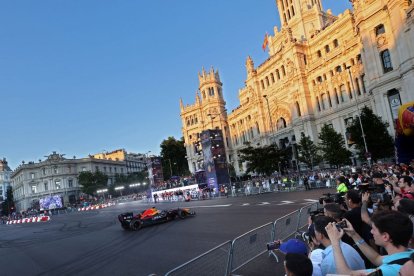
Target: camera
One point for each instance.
(331, 198)
(273, 245)
(316, 213)
(377, 192)
(341, 225)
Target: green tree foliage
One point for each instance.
(91, 182)
(332, 145)
(379, 142)
(8, 206)
(308, 151)
(262, 160)
(173, 158)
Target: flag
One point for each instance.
(265, 42)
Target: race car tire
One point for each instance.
(181, 214)
(135, 225)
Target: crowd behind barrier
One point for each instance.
(380, 197)
(247, 247)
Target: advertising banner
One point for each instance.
(50, 202)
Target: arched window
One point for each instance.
(358, 87)
(283, 70)
(336, 96)
(338, 69)
(204, 94)
(267, 81)
(349, 89)
(329, 98)
(298, 109)
(319, 53)
(293, 11)
(342, 92)
(281, 123)
(323, 101)
(272, 77)
(318, 104)
(386, 61)
(277, 74)
(257, 128)
(327, 49)
(335, 43)
(262, 82)
(380, 29)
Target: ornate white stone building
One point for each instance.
(57, 176)
(320, 68)
(5, 178)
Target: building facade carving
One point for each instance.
(319, 67)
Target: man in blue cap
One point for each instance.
(294, 246)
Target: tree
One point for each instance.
(308, 151)
(379, 142)
(173, 155)
(8, 206)
(262, 160)
(91, 182)
(332, 145)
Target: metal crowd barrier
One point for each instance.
(286, 225)
(249, 246)
(232, 255)
(213, 262)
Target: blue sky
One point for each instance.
(83, 76)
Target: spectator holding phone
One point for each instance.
(391, 230)
(328, 264)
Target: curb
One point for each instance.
(29, 220)
(95, 207)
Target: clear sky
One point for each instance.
(82, 76)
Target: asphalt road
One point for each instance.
(93, 243)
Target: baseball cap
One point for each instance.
(294, 246)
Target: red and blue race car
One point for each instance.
(152, 216)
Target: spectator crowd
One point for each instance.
(366, 228)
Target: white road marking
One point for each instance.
(264, 203)
(211, 206)
(245, 204)
(284, 202)
(311, 200)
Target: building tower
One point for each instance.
(303, 18)
(208, 112)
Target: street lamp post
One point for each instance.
(268, 110)
(359, 116)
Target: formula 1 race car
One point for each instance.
(152, 216)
